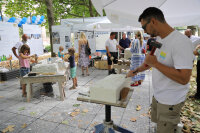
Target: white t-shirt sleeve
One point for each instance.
(17, 45)
(115, 41)
(107, 43)
(183, 56)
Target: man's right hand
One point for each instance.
(132, 73)
(109, 54)
(198, 47)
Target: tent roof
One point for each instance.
(96, 24)
(177, 12)
(88, 20)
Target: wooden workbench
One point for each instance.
(29, 80)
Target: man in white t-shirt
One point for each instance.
(111, 49)
(172, 66)
(18, 45)
(195, 39)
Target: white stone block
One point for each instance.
(108, 89)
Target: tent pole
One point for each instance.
(83, 17)
(84, 13)
(118, 44)
(110, 2)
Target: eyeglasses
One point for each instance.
(145, 26)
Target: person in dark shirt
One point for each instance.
(71, 60)
(124, 42)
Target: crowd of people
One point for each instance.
(171, 66)
(24, 58)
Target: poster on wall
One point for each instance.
(101, 38)
(76, 38)
(91, 40)
(61, 36)
(55, 38)
(9, 36)
(34, 32)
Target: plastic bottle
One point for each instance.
(2, 58)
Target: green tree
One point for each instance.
(53, 10)
(62, 9)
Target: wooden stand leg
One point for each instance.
(61, 91)
(64, 83)
(28, 88)
(120, 71)
(31, 90)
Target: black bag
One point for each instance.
(87, 49)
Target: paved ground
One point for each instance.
(49, 115)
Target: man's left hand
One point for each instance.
(150, 60)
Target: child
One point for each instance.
(24, 64)
(60, 53)
(71, 60)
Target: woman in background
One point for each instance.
(137, 58)
(83, 57)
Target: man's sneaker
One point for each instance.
(179, 128)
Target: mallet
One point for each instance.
(154, 45)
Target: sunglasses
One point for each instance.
(145, 25)
(188, 36)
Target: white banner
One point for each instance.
(61, 36)
(9, 36)
(101, 38)
(35, 41)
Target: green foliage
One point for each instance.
(62, 9)
(48, 48)
(190, 115)
(24, 8)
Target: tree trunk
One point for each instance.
(1, 15)
(198, 31)
(90, 9)
(51, 21)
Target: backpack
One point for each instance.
(87, 49)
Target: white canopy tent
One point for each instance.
(97, 30)
(96, 24)
(177, 12)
